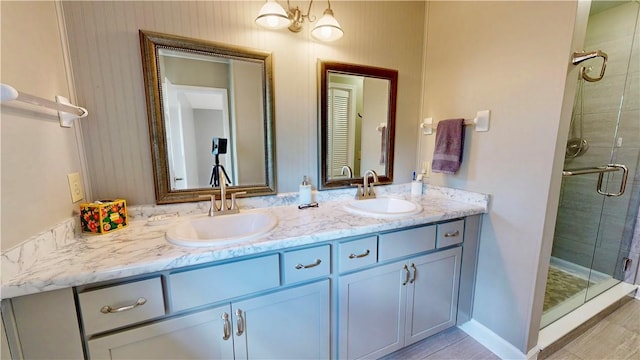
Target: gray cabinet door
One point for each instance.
(287, 324)
(371, 312)
(386, 308)
(195, 336)
(432, 296)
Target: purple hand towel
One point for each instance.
(447, 154)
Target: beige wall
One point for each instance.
(37, 154)
(511, 58)
(110, 84)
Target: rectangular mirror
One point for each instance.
(210, 106)
(357, 122)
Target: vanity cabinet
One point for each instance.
(351, 298)
(264, 321)
(286, 324)
(390, 306)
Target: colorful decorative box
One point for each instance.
(102, 216)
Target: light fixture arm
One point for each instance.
(297, 17)
(272, 15)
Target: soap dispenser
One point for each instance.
(305, 192)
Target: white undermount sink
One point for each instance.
(206, 230)
(383, 207)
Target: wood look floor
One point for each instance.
(616, 337)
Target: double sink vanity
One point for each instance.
(347, 279)
(325, 282)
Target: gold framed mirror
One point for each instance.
(357, 118)
(203, 97)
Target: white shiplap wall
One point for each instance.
(103, 37)
(37, 154)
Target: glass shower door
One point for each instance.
(592, 230)
(615, 101)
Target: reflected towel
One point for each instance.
(447, 154)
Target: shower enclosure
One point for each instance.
(593, 247)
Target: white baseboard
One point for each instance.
(499, 346)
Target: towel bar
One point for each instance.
(66, 111)
(481, 123)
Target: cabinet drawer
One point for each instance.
(220, 282)
(406, 242)
(306, 264)
(358, 253)
(450, 233)
(120, 305)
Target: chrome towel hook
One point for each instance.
(579, 57)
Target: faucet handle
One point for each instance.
(212, 207)
(233, 199)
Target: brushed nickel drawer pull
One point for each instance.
(240, 323)
(300, 266)
(415, 271)
(354, 256)
(453, 234)
(109, 310)
(407, 275)
(226, 327)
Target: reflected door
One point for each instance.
(341, 129)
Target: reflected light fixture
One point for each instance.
(273, 16)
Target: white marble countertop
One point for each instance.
(140, 248)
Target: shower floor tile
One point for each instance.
(561, 286)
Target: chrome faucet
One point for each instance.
(367, 192)
(225, 207)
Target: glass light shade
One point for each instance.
(273, 16)
(327, 28)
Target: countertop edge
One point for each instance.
(37, 277)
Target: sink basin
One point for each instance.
(220, 230)
(383, 207)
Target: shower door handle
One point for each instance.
(623, 182)
(579, 57)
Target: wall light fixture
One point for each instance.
(273, 16)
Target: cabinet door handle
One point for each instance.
(109, 310)
(226, 327)
(300, 266)
(415, 271)
(240, 323)
(354, 256)
(407, 275)
(453, 234)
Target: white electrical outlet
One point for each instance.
(75, 186)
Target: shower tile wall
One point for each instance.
(579, 226)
